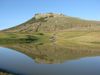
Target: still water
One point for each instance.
(61, 64)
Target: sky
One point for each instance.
(15, 12)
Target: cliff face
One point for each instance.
(54, 22)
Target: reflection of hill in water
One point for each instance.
(51, 53)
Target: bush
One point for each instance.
(40, 33)
(30, 38)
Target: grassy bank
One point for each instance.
(63, 38)
(70, 39)
(22, 37)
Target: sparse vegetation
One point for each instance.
(46, 23)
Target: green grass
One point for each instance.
(73, 39)
(23, 38)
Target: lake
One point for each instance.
(48, 60)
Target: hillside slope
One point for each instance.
(54, 22)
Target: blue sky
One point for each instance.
(14, 12)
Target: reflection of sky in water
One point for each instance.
(15, 61)
(19, 63)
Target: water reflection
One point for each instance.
(48, 59)
(51, 53)
(15, 62)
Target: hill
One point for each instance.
(50, 22)
(65, 31)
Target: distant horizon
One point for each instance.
(15, 12)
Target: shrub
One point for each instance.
(40, 33)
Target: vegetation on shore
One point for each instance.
(22, 37)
